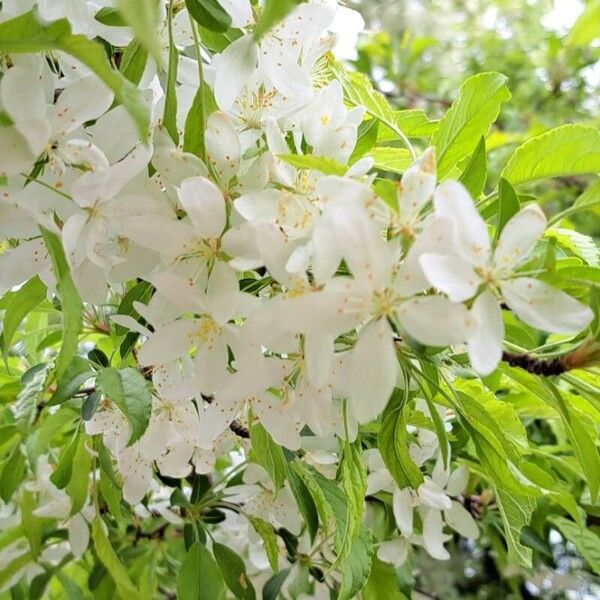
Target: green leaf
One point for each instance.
(130, 392)
(12, 568)
(584, 443)
(170, 109)
(268, 454)
(22, 303)
(12, 474)
(509, 204)
(32, 525)
(62, 474)
(140, 292)
(516, 512)
(25, 407)
(587, 27)
(339, 513)
(359, 91)
(71, 304)
(305, 503)
(468, 119)
(475, 174)
(353, 475)
(202, 107)
(324, 164)
(78, 485)
(112, 562)
(564, 151)
(210, 14)
(274, 585)
(133, 62)
(382, 582)
(413, 123)
(273, 12)
(389, 158)
(357, 566)
(265, 531)
(585, 540)
(76, 374)
(142, 17)
(110, 16)
(579, 244)
(25, 34)
(233, 569)
(366, 139)
(199, 577)
(392, 442)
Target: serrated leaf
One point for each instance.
(265, 531)
(233, 569)
(133, 62)
(382, 582)
(566, 150)
(76, 374)
(365, 140)
(583, 442)
(71, 304)
(475, 173)
(268, 454)
(579, 244)
(78, 485)
(516, 513)
(24, 300)
(585, 540)
(468, 119)
(199, 577)
(357, 566)
(12, 474)
(25, 34)
(324, 164)
(353, 475)
(392, 442)
(130, 392)
(25, 407)
(305, 502)
(412, 122)
(203, 106)
(210, 14)
(112, 562)
(359, 91)
(62, 474)
(32, 525)
(391, 159)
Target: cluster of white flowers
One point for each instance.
(280, 291)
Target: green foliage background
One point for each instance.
(419, 52)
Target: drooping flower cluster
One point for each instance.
(276, 292)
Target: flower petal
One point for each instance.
(459, 518)
(402, 504)
(451, 199)
(436, 321)
(452, 275)
(544, 307)
(374, 370)
(205, 206)
(518, 237)
(485, 343)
